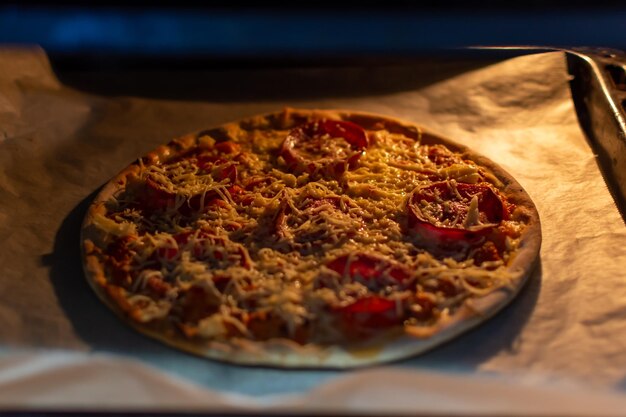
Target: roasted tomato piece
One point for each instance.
(369, 313)
(375, 271)
(324, 146)
(443, 213)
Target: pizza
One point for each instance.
(310, 238)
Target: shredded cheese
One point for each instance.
(267, 254)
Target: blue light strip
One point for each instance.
(157, 31)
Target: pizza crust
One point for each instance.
(286, 353)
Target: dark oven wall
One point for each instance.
(240, 33)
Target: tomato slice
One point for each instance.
(449, 207)
(324, 145)
(375, 271)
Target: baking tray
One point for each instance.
(591, 88)
(599, 92)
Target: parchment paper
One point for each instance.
(58, 145)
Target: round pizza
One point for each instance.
(310, 238)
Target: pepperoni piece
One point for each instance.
(153, 198)
(236, 192)
(220, 169)
(228, 147)
(120, 260)
(257, 181)
(371, 305)
(324, 145)
(280, 219)
(158, 286)
(450, 210)
(227, 172)
(375, 312)
(119, 249)
(488, 252)
(170, 253)
(313, 204)
(369, 313)
(264, 326)
(221, 282)
(197, 303)
(373, 270)
(199, 203)
(287, 226)
(426, 307)
(440, 155)
(218, 246)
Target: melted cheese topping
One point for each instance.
(255, 265)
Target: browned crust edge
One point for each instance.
(284, 353)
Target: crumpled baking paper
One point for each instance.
(564, 335)
(71, 381)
